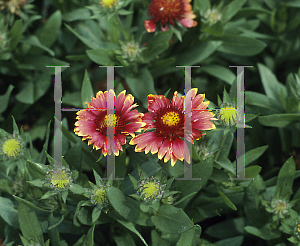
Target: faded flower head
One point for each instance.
(167, 12)
(12, 5)
(11, 147)
(151, 189)
(227, 114)
(212, 16)
(59, 178)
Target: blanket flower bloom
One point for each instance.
(93, 122)
(167, 11)
(166, 121)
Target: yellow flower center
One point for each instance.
(110, 120)
(60, 179)
(298, 228)
(170, 118)
(151, 189)
(100, 196)
(108, 3)
(228, 115)
(11, 147)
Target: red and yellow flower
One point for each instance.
(93, 122)
(165, 122)
(167, 11)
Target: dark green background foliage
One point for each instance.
(216, 211)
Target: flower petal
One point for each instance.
(150, 25)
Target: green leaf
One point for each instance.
(4, 99)
(242, 46)
(252, 172)
(15, 34)
(201, 170)
(76, 189)
(53, 232)
(37, 170)
(226, 200)
(278, 120)
(216, 29)
(89, 240)
(225, 163)
(42, 156)
(29, 223)
(157, 45)
(198, 53)
(130, 226)
(270, 83)
(292, 3)
(234, 241)
(77, 14)
(34, 41)
(96, 213)
(261, 100)
(141, 85)
(86, 90)
(285, 179)
(8, 213)
(253, 154)
(220, 72)
(255, 212)
(172, 220)
(101, 56)
(226, 229)
(38, 63)
(231, 9)
(186, 238)
(265, 233)
(126, 207)
(28, 203)
(49, 32)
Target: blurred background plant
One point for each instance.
(70, 206)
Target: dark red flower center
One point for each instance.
(166, 11)
(102, 121)
(170, 122)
